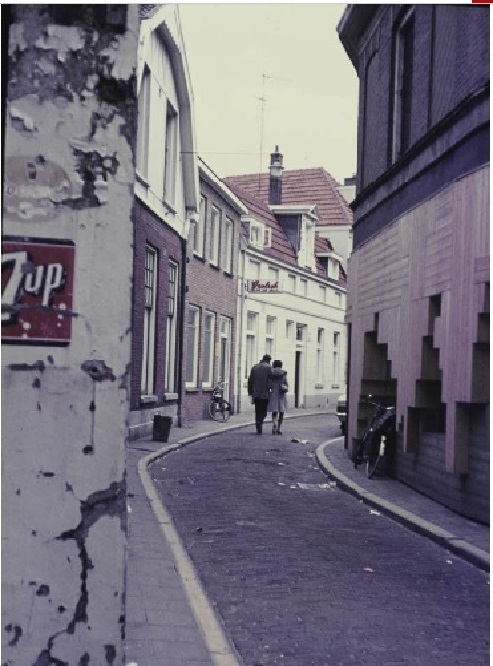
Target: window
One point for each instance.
(291, 284)
(227, 247)
(270, 331)
(253, 269)
(225, 352)
(289, 330)
(259, 234)
(170, 154)
(192, 336)
(323, 294)
(147, 374)
(214, 235)
(251, 341)
(338, 296)
(300, 332)
(403, 83)
(320, 355)
(273, 275)
(198, 235)
(208, 351)
(304, 287)
(335, 355)
(171, 328)
(143, 124)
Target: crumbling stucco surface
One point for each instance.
(69, 173)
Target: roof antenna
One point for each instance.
(263, 101)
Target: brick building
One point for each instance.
(166, 200)
(418, 277)
(212, 296)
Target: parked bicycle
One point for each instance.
(219, 408)
(376, 446)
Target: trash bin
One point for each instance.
(161, 428)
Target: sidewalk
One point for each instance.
(169, 620)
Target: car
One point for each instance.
(341, 411)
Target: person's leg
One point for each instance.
(259, 414)
(274, 423)
(281, 417)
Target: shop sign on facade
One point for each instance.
(263, 286)
(37, 290)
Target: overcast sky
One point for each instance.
(311, 91)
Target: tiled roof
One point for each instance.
(280, 247)
(300, 186)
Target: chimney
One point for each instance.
(275, 182)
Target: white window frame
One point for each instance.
(214, 231)
(171, 327)
(209, 326)
(192, 337)
(227, 246)
(323, 293)
(273, 274)
(148, 346)
(270, 335)
(291, 282)
(253, 269)
(143, 125)
(251, 340)
(224, 339)
(303, 287)
(290, 330)
(320, 352)
(170, 154)
(335, 358)
(200, 226)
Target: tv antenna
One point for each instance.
(263, 100)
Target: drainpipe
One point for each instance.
(181, 324)
(241, 309)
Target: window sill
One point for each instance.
(214, 266)
(170, 396)
(335, 386)
(148, 399)
(198, 256)
(319, 386)
(192, 389)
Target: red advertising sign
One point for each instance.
(37, 290)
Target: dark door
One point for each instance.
(297, 365)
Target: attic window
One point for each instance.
(260, 236)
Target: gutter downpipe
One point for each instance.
(183, 291)
(241, 308)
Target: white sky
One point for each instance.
(311, 98)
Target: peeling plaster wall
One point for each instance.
(69, 174)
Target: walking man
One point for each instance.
(258, 388)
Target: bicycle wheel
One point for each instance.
(372, 462)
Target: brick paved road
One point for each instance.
(304, 574)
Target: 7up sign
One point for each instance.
(37, 290)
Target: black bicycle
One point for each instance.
(376, 445)
(219, 408)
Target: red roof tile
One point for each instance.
(301, 186)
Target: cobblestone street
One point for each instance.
(302, 573)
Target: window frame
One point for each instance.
(227, 246)
(208, 349)
(148, 370)
(170, 154)
(172, 328)
(193, 381)
(214, 235)
(403, 54)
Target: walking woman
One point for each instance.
(278, 385)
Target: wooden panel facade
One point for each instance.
(422, 285)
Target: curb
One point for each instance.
(453, 543)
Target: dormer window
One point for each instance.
(259, 235)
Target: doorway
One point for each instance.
(297, 378)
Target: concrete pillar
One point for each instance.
(70, 123)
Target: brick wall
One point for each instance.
(150, 229)
(210, 288)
